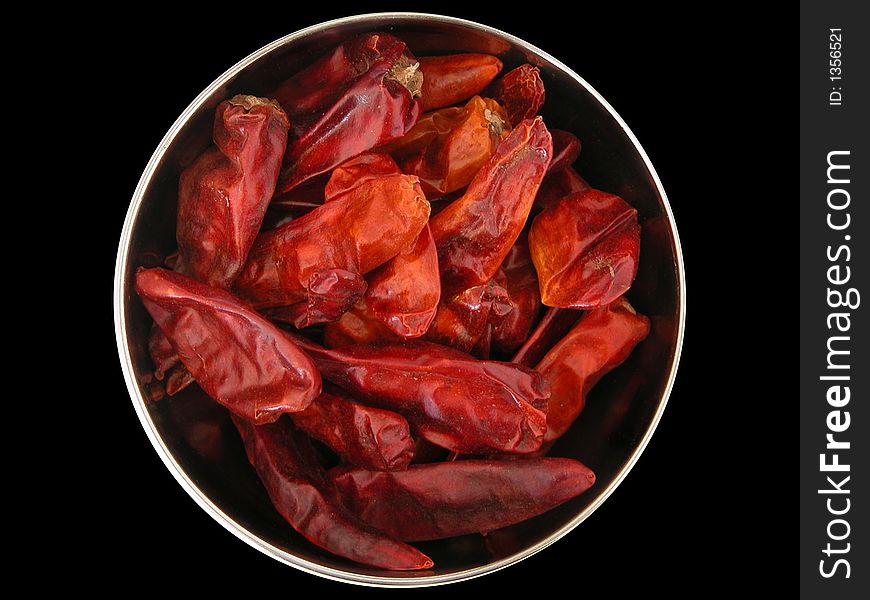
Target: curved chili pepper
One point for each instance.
(304, 495)
(552, 327)
(449, 398)
(456, 77)
(404, 292)
(475, 233)
(601, 341)
(520, 91)
(371, 438)
(359, 325)
(313, 265)
(223, 195)
(585, 249)
(557, 185)
(237, 357)
(377, 106)
(566, 149)
(455, 155)
(440, 500)
(512, 329)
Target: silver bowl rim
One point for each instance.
(139, 402)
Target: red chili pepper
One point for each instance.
(359, 325)
(553, 326)
(461, 146)
(456, 77)
(462, 320)
(601, 341)
(585, 249)
(512, 329)
(475, 233)
(237, 357)
(312, 267)
(520, 91)
(557, 185)
(303, 494)
(223, 195)
(566, 149)
(371, 438)
(441, 500)
(451, 399)
(404, 292)
(376, 105)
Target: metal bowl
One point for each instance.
(193, 435)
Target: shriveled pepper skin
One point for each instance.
(313, 265)
(368, 437)
(223, 195)
(475, 233)
(449, 398)
(462, 320)
(456, 77)
(238, 358)
(454, 156)
(446, 499)
(520, 91)
(303, 494)
(377, 106)
(359, 325)
(558, 184)
(404, 292)
(601, 341)
(511, 330)
(552, 327)
(585, 249)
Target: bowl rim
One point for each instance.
(139, 402)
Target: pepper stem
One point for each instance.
(408, 74)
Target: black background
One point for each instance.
(703, 509)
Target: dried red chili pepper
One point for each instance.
(428, 128)
(404, 292)
(456, 77)
(237, 357)
(552, 327)
(312, 267)
(475, 233)
(462, 320)
(441, 500)
(557, 185)
(566, 149)
(371, 438)
(520, 91)
(449, 398)
(223, 195)
(378, 104)
(512, 329)
(601, 340)
(454, 155)
(585, 249)
(359, 325)
(303, 494)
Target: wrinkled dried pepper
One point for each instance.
(459, 149)
(520, 91)
(600, 341)
(451, 399)
(475, 233)
(585, 249)
(462, 320)
(311, 268)
(456, 77)
(440, 500)
(378, 85)
(303, 494)
(238, 358)
(368, 437)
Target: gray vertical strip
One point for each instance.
(827, 256)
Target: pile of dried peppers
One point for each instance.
(352, 251)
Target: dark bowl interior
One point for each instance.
(621, 411)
